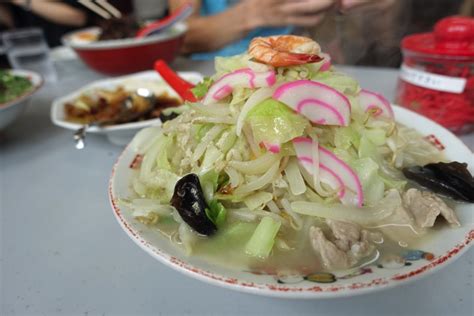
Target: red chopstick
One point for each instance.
(181, 86)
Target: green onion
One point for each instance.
(201, 88)
(216, 212)
(261, 243)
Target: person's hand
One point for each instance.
(286, 12)
(347, 5)
(22, 3)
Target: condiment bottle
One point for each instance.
(437, 74)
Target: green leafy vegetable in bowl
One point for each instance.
(12, 86)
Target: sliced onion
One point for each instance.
(151, 205)
(187, 237)
(297, 221)
(149, 159)
(312, 196)
(243, 214)
(260, 182)
(235, 177)
(227, 140)
(206, 140)
(258, 200)
(251, 141)
(144, 139)
(362, 216)
(256, 166)
(283, 164)
(331, 170)
(277, 217)
(213, 110)
(294, 177)
(215, 120)
(246, 215)
(139, 187)
(316, 174)
(273, 207)
(307, 150)
(315, 163)
(256, 98)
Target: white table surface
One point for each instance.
(63, 253)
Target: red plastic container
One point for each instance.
(119, 57)
(437, 74)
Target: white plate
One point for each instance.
(442, 249)
(119, 134)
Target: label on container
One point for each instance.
(432, 81)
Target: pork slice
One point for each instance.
(348, 243)
(350, 236)
(426, 207)
(346, 232)
(361, 249)
(331, 255)
(364, 247)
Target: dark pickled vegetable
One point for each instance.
(168, 117)
(118, 28)
(451, 179)
(188, 200)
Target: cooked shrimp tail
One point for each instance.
(284, 50)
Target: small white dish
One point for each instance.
(440, 250)
(119, 134)
(11, 110)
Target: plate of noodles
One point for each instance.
(287, 179)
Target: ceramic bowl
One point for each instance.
(11, 110)
(440, 250)
(124, 56)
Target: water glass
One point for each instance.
(27, 49)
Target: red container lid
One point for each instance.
(452, 36)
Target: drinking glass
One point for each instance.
(27, 49)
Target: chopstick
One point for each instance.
(102, 8)
(112, 10)
(95, 8)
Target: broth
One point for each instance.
(227, 247)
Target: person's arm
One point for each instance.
(6, 17)
(207, 33)
(380, 5)
(212, 32)
(56, 12)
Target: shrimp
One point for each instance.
(284, 50)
